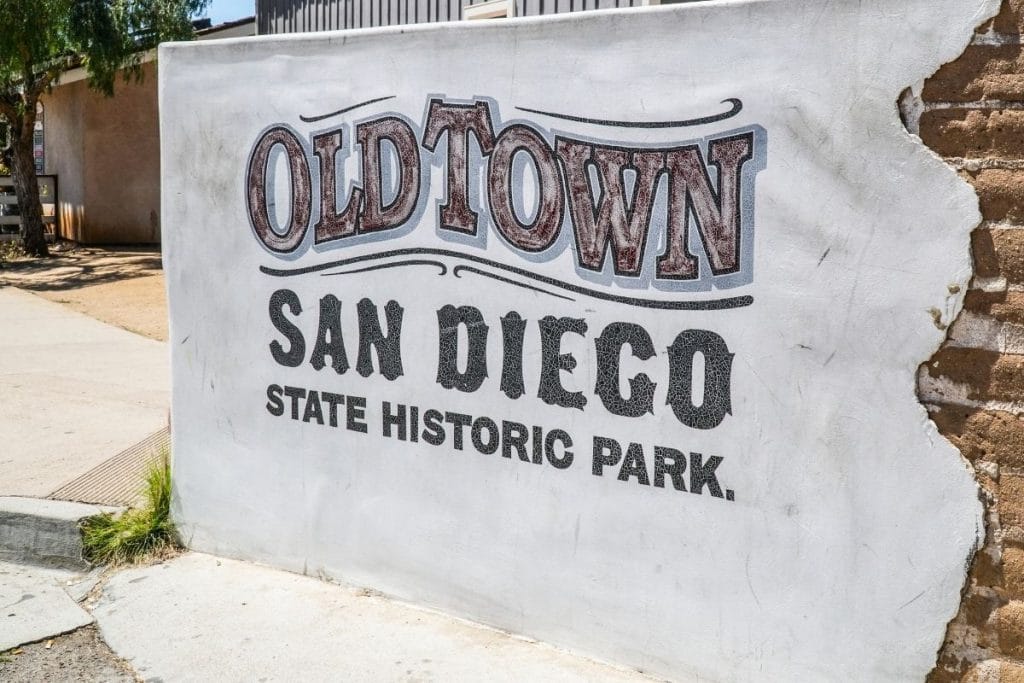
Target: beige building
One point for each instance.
(106, 153)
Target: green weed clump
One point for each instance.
(138, 534)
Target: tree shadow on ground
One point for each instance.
(80, 267)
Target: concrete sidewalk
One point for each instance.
(73, 393)
(200, 618)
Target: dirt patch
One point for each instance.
(122, 287)
(78, 656)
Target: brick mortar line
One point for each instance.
(1004, 289)
(981, 322)
(990, 105)
(990, 285)
(984, 164)
(971, 318)
(1007, 407)
(995, 39)
(1000, 225)
(947, 402)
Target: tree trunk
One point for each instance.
(26, 185)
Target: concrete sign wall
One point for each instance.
(600, 329)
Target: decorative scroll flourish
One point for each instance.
(442, 268)
(313, 119)
(735, 108)
(693, 305)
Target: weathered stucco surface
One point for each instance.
(843, 553)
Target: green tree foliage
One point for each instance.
(41, 39)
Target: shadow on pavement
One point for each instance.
(81, 267)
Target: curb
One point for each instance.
(44, 533)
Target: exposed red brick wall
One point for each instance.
(973, 115)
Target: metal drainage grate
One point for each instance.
(119, 480)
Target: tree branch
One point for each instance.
(9, 109)
(40, 84)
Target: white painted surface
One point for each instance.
(223, 620)
(843, 554)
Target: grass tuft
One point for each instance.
(138, 534)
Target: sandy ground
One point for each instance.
(122, 287)
(78, 656)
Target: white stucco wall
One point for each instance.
(843, 549)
